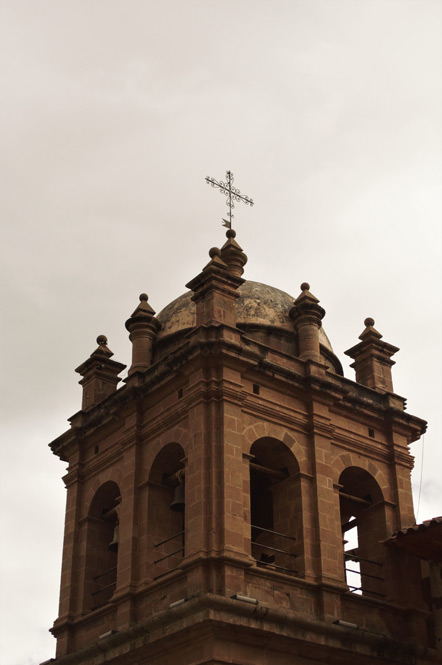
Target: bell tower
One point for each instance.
(233, 500)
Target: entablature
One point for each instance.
(223, 344)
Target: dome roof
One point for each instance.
(258, 305)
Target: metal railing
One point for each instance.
(167, 556)
(350, 556)
(271, 564)
(112, 585)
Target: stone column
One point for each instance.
(143, 328)
(307, 315)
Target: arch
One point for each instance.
(276, 506)
(102, 539)
(346, 460)
(363, 527)
(262, 429)
(110, 474)
(166, 511)
(154, 445)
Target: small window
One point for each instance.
(180, 393)
(255, 389)
(371, 432)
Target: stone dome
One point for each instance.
(259, 305)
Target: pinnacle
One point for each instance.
(143, 309)
(306, 295)
(369, 330)
(233, 255)
(102, 349)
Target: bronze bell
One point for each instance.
(113, 546)
(178, 499)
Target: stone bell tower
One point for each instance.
(233, 501)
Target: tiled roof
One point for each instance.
(422, 540)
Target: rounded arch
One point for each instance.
(262, 429)
(102, 541)
(358, 482)
(348, 460)
(93, 487)
(104, 498)
(168, 460)
(165, 523)
(276, 506)
(153, 447)
(363, 524)
(275, 454)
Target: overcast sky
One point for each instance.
(113, 112)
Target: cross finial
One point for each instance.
(233, 194)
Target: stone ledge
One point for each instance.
(209, 614)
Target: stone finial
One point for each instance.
(370, 331)
(102, 348)
(143, 328)
(232, 254)
(372, 359)
(215, 259)
(307, 315)
(100, 374)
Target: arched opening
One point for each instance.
(363, 529)
(276, 507)
(166, 510)
(102, 546)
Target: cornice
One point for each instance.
(74, 475)
(103, 460)
(332, 389)
(275, 415)
(402, 458)
(317, 426)
(260, 620)
(354, 445)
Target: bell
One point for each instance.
(113, 546)
(178, 499)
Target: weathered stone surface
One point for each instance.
(258, 304)
(210, 497)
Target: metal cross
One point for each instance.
(232, 194)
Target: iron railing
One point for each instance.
(167, 556)
(107, 587)
(284, 552)
(350, 556)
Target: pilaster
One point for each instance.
(327, 540)
(129, 519)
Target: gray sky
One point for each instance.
(328, 114)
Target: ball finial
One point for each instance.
(102, 340)
(305, 286)
(369, 321)
(143, 296)
(214, 251)
(230, 233)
